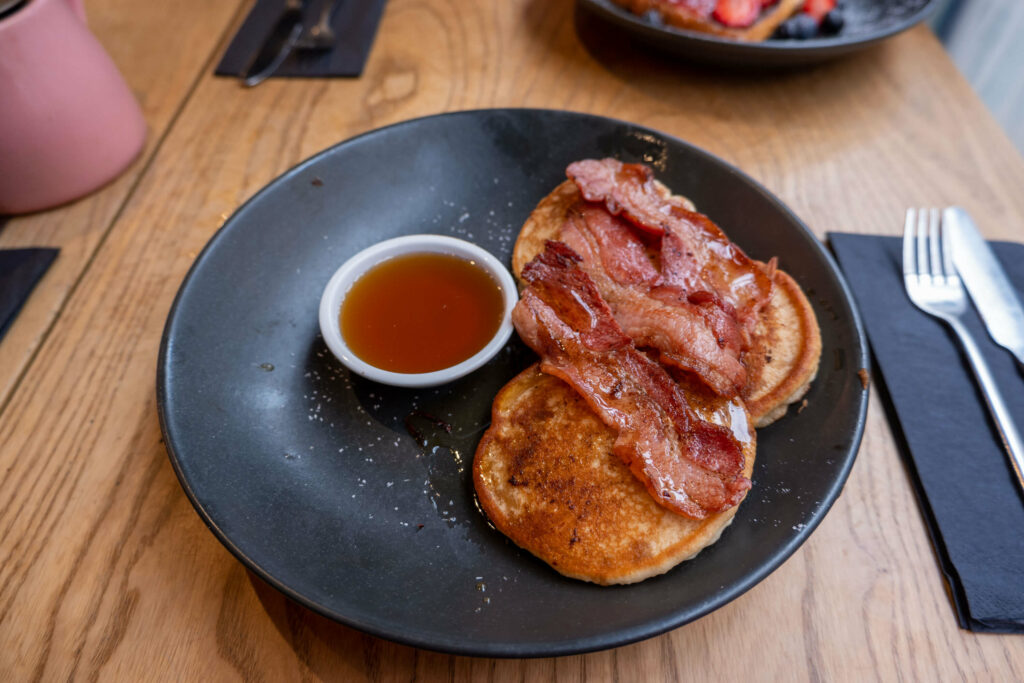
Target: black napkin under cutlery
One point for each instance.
(965, 484)
(354, 23)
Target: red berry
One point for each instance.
(737, 13)
(819, 8)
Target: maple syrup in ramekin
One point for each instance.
(421, 312)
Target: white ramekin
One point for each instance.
(343, 278)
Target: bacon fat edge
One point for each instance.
(696, 256)
(694, 337)
(689, 465)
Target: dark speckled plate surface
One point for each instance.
(867, 22)
(310, 476)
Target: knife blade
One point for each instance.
(277, 46)
(991, 291)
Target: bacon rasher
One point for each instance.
(696, 338)
(697, 259)
(689, 465)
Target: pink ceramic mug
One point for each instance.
(68, 122)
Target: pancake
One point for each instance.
(784, 354)
(786, 345)
(547, 478)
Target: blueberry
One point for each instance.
(653, 17)
(833, 22)
(782, 31)
(802, 26)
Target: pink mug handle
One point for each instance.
(78, 7)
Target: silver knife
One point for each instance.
(991, 291)
(277, 46)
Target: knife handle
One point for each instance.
(994, 399)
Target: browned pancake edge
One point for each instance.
(783, 358)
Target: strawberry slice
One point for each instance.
(737, 13)
(768, 3)
(819, 8)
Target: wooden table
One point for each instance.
(107, 571)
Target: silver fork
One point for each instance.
(934, 286)
(320, 36)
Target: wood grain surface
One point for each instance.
(161, 53)
(106, 571)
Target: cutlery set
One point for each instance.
(942, 252)
(289, 34)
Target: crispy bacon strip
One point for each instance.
(683, 333)
(690, 466)
(696, 256)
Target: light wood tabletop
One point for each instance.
(107, 571)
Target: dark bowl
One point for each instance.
(313, 477)
(867, 23)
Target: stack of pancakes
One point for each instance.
(545, 472)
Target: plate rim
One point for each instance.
(580, 645)
(826, 46)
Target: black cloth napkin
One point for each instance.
(965, 484)
(354, 23)
(20, 270)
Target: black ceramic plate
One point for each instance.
(867, 22)
(310, 476)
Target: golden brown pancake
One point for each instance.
(784, 353)
(783, 357)
(547, 478)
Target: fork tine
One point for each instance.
(933, 243)
(922, 243)
(947, 254)
(908, 243)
